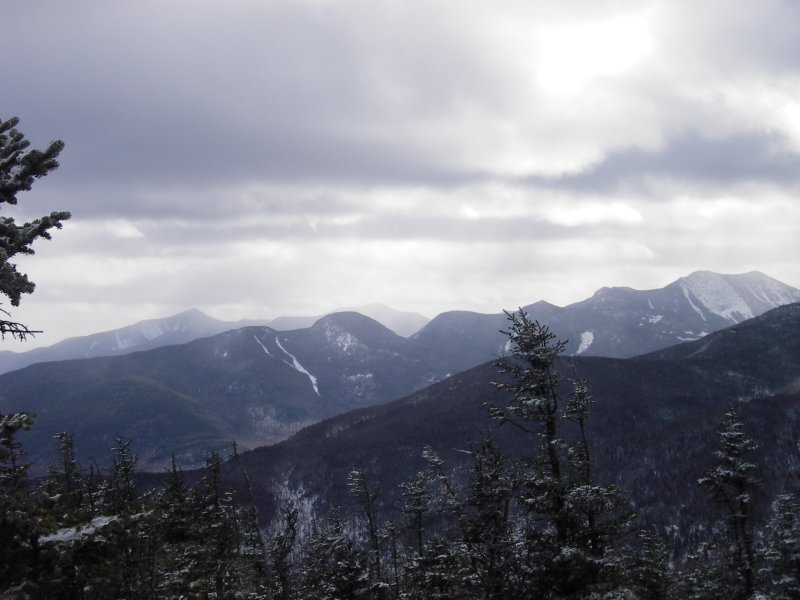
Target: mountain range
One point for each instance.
(144, 335)
(253, 384)
(653, 426)
(622, 322)
(185, 327)
(259, 385)
(613, 322)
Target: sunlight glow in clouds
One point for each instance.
(124, 229)
(571, 56)
(594, 213)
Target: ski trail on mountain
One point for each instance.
(298, 367)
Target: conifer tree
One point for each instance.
(120, 488)
(65, 484)
(366, 494)
(780, 549)
(20, 522)
(440, 569)
(574, 525)
(282, 547)
(332, 568)
(416, 504)
(731, 483)
(19, 168)
(646, 567)
(485, 520)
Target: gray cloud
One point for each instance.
(412, 150)
(742, 158)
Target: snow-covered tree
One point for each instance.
(332, 567)
(366, 494)
(416, 504)
(485, 519)
(574, 524)
(780, 550)
(19, 168)
(731, 484)
(20, 518)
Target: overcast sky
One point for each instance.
(256, 159)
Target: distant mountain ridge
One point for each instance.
(144, 335)
(617, 322)
(181, 328)
(403, 323)
(622, 322)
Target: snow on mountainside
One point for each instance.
(341, 338)
(735, 298)
(252, 384)
(145, 335)
(620, 321)
(615, 321)
(625, 322)
(180, 329)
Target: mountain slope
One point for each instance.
(145, 335)
(653, 425)
(253, 384)
(182, 328)
(622, 322)
(400, 322)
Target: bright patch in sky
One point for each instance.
(594, 213)
(573, 55)
(124, 229)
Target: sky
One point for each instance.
(262, 158)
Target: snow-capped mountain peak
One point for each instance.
(734, 298)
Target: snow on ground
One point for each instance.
(341, 338)
(72, 534)
(92, 346)
(298, 367)
(693, 305)
(123, 344)
(151, 331)
(773, 294)
(587, 337)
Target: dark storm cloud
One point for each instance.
(743, 158)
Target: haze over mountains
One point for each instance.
(259, 385)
